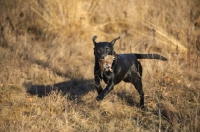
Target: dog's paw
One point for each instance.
(142, 107)
(99, 98)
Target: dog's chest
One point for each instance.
(107, 76)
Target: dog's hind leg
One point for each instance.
(137, 82)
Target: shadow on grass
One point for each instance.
(129, 99)
(74, 88)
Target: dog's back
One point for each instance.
(129, 59)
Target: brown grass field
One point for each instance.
(46, 65)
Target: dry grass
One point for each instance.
(46, 47)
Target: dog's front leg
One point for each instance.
(98, 87)
(108, 88)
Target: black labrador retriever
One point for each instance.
(125, 67)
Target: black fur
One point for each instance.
(125, 67)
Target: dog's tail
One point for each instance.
(150, 56)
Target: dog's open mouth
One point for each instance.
(106, 63)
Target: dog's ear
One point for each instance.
(94, 38)
(113, 41)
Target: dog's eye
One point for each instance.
(107, 50)
(99, 50)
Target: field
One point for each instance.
(47, 61)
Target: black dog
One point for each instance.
(125, 67)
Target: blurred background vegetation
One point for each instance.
(45, 42)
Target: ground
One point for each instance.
(47, 61)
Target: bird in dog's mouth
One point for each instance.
(106, 63)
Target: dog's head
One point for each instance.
(102, 49)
